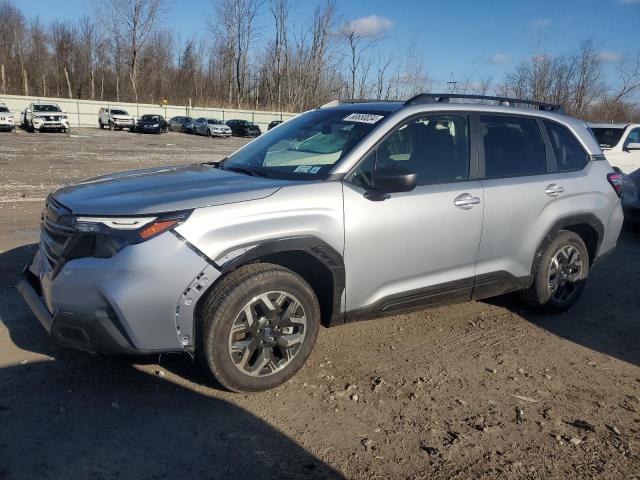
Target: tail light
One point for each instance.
(615, 179)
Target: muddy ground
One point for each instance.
(429, 395)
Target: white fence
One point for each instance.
(84, 113)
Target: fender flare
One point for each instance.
(324, 253)
(563, 223)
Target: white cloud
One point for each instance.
(499, 59)
(541, 24)
(369, 26)
(608, 56)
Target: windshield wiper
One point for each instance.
(246, 171)
(215, 163)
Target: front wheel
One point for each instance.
(560, 275)
(258, 327)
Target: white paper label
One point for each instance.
(362, 118)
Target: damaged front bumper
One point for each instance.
(140, 301)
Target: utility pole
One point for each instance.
(451, 84)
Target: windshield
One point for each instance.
(608, 137)
(46, 108)
(4, 110)
(118, 112)
(213, 121)
(305, 147)
(150, 118)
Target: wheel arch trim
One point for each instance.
(565, 223)
(309, 245)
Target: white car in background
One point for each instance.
(117, 118)
(620, 143)
(39, 117)
(6, 119)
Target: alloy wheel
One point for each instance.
(565, 273)
(267, 333)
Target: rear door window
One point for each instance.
(569, 154)
(513, 146)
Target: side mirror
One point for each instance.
(391, 179)
(632, 146)
(28, 110)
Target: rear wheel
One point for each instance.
(258, 327)
(100, 124)
(561, 274)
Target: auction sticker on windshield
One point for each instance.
(362, 118)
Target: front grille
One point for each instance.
(57, 232)
(60, 242)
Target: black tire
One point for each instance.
(551, 292)
(223, 308)
(101, 124)
(110, 125)
(208, 132)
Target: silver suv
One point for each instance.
(350, 211)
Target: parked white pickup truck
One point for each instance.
(39, 117)
(620, 143)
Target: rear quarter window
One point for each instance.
(568, 152)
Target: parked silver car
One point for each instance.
(350, 211)
(211, 127)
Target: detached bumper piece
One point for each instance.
(101, 333)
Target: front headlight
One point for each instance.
(37, 117)
(112, 234)
(63, 117)
(155, 125)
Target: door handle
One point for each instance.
(466, 201)
(554, 190)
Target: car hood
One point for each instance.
(149, 122)
(122, 117)
(164, 189)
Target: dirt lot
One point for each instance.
(430, 395)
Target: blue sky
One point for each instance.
(467, 38)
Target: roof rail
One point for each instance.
(445, 97)
(335, 103)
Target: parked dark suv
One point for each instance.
(244, 128)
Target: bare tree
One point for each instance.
(131, 23)
(299, 65)
(359, 36)
(238, 30)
